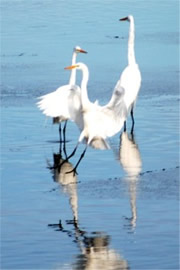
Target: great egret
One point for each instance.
(99, 122)
(66, 98)
(130, 78)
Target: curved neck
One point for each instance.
(84, 82)
(72, 79)
(131, 53)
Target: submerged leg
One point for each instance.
(133, 122)
(64, 138)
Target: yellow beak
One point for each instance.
(81, 51)
(71, 67)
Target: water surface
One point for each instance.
(127, 215)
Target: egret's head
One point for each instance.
(128, 18)
(78, 49)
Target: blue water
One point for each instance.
(123, 221)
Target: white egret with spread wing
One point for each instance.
(58, 104)
(99, 122)
(130, 79)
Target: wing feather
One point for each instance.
(115, 112)
(65, 102)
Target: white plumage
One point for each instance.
(65, 102)
(130, 79)
(100, 122)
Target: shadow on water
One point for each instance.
(95, 250)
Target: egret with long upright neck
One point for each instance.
(130, 78)
(99, 122)
(65, 101)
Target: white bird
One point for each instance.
(99, 122)
(64, 103)
(130, 78)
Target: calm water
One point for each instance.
(127, 215)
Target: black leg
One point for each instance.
(124, 126)
(73, 153)
(64, 138)
(132, 137)
(67, 158)
(77, 164)
(60, 136)
(60, 148)
(60, 139)
(133, 122)
(64, 131)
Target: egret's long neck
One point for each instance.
(131, 53)
(72, 79)
(84, 82)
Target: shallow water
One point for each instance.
(127, 216)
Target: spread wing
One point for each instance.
(105, 121)
(65, 103)
(115, 112)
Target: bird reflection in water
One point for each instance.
(95, 252)
(130, 160)
(68, 181)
